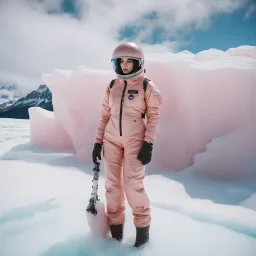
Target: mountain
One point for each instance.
(42, 97)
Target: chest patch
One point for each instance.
(131, 97)
(133, 91)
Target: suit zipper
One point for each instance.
(121, 108)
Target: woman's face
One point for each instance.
(126, 65)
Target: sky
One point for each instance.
(38, 36)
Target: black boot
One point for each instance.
(117, 231)
(142, 236)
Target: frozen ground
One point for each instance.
(44, 194)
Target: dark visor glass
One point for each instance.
(117, 67)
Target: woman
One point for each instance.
(127, 141)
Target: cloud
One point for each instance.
(250, 10)
(49, 5)
(37, 36)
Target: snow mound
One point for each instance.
(209, 54)
(244, 50)
(206, 96)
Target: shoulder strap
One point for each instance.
(112, 83)
(145, 84)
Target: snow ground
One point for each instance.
(44, 194)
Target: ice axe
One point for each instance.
(94, 195)
(96, 215)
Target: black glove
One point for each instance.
(96, 152)
(145, 153)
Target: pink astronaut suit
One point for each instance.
(124, 135)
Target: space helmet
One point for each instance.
(128, 50)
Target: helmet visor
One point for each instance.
(137, 64)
